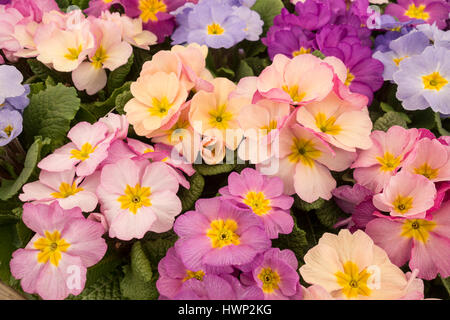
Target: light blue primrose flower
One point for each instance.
(10, 125)
(424, 80)
(253, 22)
(10, 83)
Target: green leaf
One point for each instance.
(268, 10)
(82, 4)
(36, 87)
(63, 4)
(101, 108)
(122, 100)
(295, 241)
(439, 126)
(117, 77)
(391, 118)
(49, 114)
(244, 70)
(423, 119)
(189, 196)
(134, 287)
(329, 213)
(8, 241)
(211, 170)
(105, 288)
(446, 283)
(318, 54)
(8, 219)
(257, 64)
(156, 249)
(225, 72)
(386, 107)
(306, 206)
(43, 72)
(140, 265)
(9, 188)
(110, 262)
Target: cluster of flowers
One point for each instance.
(406, 174)
(217, 23)
(70, 42)
(257, 115)
(224, 252)
(13, 100)
(421, 70)
(337, 29)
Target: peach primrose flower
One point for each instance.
(157, 100)
(215, 114)
(350, 266)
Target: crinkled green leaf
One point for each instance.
(122, 100)
(134, 287)
(329, 213)
(295, 241)
(101, 108)
(189, 196)
(49, 114)
(268, 9)
(109, 263)
(318, 54)
(140, 265)
(8, 219)
(225, 72)
(156, 249)
(257, 64)
(82, 4)
(9, 188)
(63, 4)
(391, 118)
(43, 72)
(211, 170)
(306, 206)
(442, 131)
(423, 119)
(117, 77)
(105, 288)
(244, 70)
(36, 87)
(446, 282)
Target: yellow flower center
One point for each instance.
(270, 279)
(434, 81)
(73, 53)
(258, 202)
(305, 151)
(135, 198)
(350, 78)
(84, 153)
(271, 126)
(8, 130)
(215, 29)
(403, 204)
(417, 12)
(222, 233)
(99, 58)
(66, 190)
(301, 51)
(220, 117)
(149, 9)
(427, 171)
(389, 162)
(398, 60)
(293, 93)
(160, 108)
(194, 274)
(327, 126)
(353, 281)
(107, 1)
(418, 229)
(51, 247)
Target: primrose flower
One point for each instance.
(64, 243)
(430, 158)
(285, 79)
(10, 83)
(254, 24)
(109, 53)
(155, 14)
(65, 50)
(219, 234)
(431, 11)
(375, 166)
(97, 7)
(64, 188)
(213, 23)
(276, 275)
(215, 287)
(404, 47)
(423, 81)
(406, 195)
(350, 266)
(138, 196)
(156, 103)
(338, 122)
(304, 163)
(18, 103)
(424, 242)
(34, 9)
(10, 125)
(86, 151)
(213, 113)
(264, 196)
